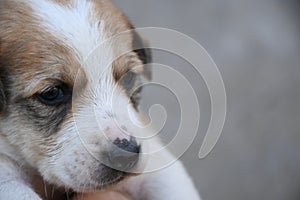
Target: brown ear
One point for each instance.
(141, 47)
(2, 97)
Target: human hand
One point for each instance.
(107, 195)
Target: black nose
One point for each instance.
(124, 155)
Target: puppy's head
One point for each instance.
(66, 106)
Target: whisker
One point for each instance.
(52, 193)
(45, 190)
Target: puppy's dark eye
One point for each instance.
(53, 96)
(128, 80)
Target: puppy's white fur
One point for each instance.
(78, 25)
(62, 159)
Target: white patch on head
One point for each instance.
(76, 25)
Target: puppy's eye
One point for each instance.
(53, 96)
(128, 80)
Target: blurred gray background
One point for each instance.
(256, 46)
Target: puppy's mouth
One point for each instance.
(110, 177)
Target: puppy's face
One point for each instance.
(66, 105)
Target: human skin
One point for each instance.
(107, 195)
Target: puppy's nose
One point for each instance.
(125, 154)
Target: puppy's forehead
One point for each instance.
(85, 25)
(82, 23)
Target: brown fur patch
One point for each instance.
(30, 55)
(65, 3)
(115, 20)
(31, 59)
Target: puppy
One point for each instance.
(67, 106)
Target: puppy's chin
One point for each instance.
(110, 179)
(103, 179)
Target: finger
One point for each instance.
(108, 195)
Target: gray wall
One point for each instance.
(256, 47)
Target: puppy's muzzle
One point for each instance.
(124, 155)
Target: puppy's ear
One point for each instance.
(2, 97)
(141, 47)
